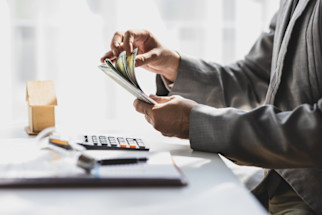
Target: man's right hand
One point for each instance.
(151, 54)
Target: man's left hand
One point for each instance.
(171, 116)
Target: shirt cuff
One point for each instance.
(168, 84)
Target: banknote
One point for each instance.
(126, 66)
(123, 72)
(130, 62)
(121, 66)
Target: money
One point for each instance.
(130, 62)
(123, 72)
(125, 66)
(121, 66)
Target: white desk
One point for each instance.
(212, 188)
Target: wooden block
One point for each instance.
(41, 100)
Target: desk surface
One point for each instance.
(212, 188)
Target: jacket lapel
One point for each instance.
(282, 23)
(285, 27)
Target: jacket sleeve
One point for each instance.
(264, 136)
(240, 85)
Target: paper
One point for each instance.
(34, 167)
(112, 154)
(159, 165)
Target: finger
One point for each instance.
(134, 38)
(142, 107)
(166, 134)
(145, 58)
(148, 119)
(109, 55)
(117, 42)
(159, 99)
(128, 42)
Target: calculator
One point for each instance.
(102, 142)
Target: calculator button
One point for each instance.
(132, 143)
(102, 138)
(111, 139)
(122, 142)
(139, 140)
(133, 146)
(120, 139)
(114, 144)
(123, 145)
(130, 140)
(140, 143)
(94, 138)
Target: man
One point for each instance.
(279, 82)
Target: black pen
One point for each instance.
(116, 161)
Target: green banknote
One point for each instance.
(120, 66)
(130, 62)
(123, 72)
(126, 67)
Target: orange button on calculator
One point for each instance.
(133, 145)
(123, 145)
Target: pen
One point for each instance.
(121, 161)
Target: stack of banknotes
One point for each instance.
(123, 72)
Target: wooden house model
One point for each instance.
(41, 99)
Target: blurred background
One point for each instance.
(62, 40)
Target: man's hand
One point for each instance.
(151, 54)
(171, 116)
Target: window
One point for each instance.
(62, 40)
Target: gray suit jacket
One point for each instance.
(265, 110)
